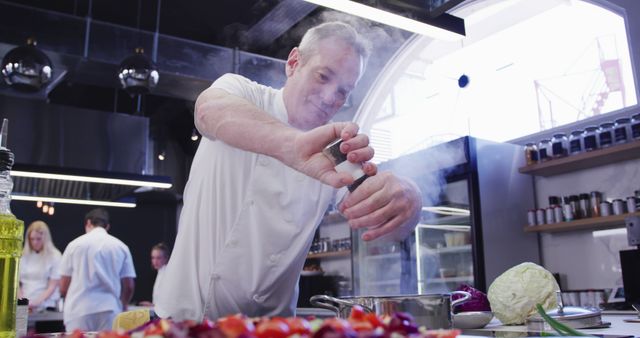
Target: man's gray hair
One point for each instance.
(334, 29)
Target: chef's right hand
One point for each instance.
(307, 157)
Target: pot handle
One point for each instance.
(465, 297)
(327, 302)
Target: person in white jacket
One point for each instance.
(97, 276)
(39, 265)
(260, 184)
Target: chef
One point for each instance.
(260, 184)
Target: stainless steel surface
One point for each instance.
(573, 316)
(434, 311)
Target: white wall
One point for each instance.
(586, 261)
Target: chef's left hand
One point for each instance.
(383, 204)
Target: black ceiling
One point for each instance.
(266, 27)
(218, 22)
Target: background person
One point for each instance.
(39, 265)
(159, 258)
(260, 184)
(97, 276)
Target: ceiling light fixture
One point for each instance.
(453, 33)
(26, 67)
(162, 156)
(73, 201)
(194, 135)
(138, 74)
(80, 178)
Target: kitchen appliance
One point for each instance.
(471, 224)
(434, 311)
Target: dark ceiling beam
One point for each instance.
(280, 19)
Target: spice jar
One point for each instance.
(531, 153)
(605, 209)
(631, 204)
(575, 142)
(635, 126)
(540, 216)
(531, 217)
(559, 145)
(585, 210)
(544, 150)
(590, 138)
(605, 134)
(622, 130)
(618, 206)
(574, 201)
(596, 199)
(550, 217)
(557, 211)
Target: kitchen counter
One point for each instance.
(619, 328)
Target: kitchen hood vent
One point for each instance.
(91, 52)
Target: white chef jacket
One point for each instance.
(36, 269)
(245, 229)
(156, 284)
(96, 263)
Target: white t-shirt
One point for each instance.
(245, 228)
(156, 284)
(96, 263)
(36, 269)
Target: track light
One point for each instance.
(45, 208)
(39, 204)
(194, 135)
(51, 210)
(162, 155)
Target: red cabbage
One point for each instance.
(478, 301)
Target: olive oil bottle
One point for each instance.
(11, 232)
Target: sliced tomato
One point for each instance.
(272, 328)
(298, 325)
(374, 320)
(235, 325)
(357, 313)
(339, 324)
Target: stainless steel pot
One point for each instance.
(434, 311)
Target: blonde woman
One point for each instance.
(39, 265)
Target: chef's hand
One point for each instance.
(307, 157)
(383, 204)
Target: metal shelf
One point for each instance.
(330, 254)
(590, 159)
(454, 249)
(451, 279)
(582, 224)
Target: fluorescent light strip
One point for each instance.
(449, 211)
(387, 18)
(450, 227)
(73, 201)
(90, 179)
(610, 232)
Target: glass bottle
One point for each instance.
(11, 232)
(559, 145)
(621, 130)
(635, 126)
(590, 138)
(605, 134)
(544, 150)
(530, 153)
(575, 142)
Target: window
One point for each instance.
(531, 66)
